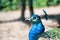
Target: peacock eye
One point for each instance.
(34, 17)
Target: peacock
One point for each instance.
(37, 27)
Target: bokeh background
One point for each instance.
(11, 28)
(15, 4)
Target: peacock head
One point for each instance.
(35, 18)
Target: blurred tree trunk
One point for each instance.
(23, 6)
(0, 5)
(10, 4)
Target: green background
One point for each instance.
(16, 4)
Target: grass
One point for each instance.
(54, 33)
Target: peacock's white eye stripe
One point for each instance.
(34, 19)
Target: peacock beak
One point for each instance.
(29, 19)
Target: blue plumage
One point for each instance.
(37, 28)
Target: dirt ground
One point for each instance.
(13, 31)
(18, 30)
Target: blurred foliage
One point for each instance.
(54, 33)
(15, 4)
(9, 4)
(53, 2)
(39, 3)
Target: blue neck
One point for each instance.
(37, 22)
